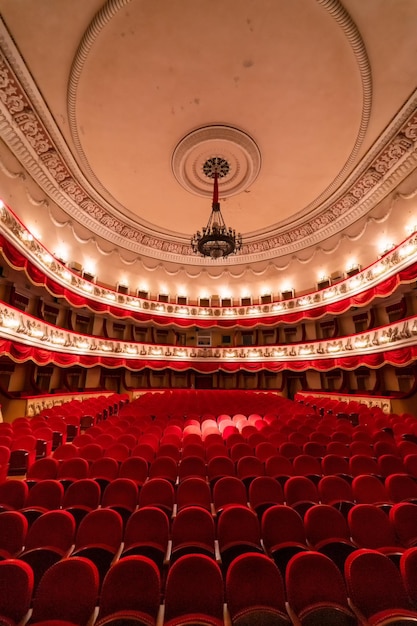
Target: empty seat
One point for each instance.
(248, 468)
(72, 469)
(255, 591)
(99, 538)
(238, 532)
(265, 491)
(283, 534)
(147, 534)
(333, 464)
(192, 466)
(228, 491)
(279, 467)
(118, 451)
(218, 467)
(130, 593)
(305, 465)
(193, 532)
(362, 464)
(370, 527)
(49, 539)
(390, 464)
(327, 531)
(316, 591)
(300, 493)
(376, 589)
(337, 492)
(13, 495)
(81, 497)
(164, 467)
(194, 592)
(45, 495)
(158, 492)
(104, 470)
(401, 487)
(121, 495)
(16, 588)
(135, 468)
(91, 452)
(68, 591)
(42, 469)
(408, 569)
(403, 517)
(369, 489)
(193, 491)
(13, 530)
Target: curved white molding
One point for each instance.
(398, 259)
(34, 139)
(25, 329)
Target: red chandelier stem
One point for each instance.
(216, 189)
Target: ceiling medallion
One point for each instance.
(216, 240)
(232, 145)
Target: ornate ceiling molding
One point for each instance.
(35, 141)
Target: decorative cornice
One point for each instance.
(389, 266)
(25, 329)
(392, 158)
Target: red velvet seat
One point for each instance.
(16, 586)
(158, 492)
(300, 493)
(337, 492)
(68, 591)
(327, 532)
(13, 530)
(43, 469)
(255, 592)
(403, 517)
(147, 534)
(130, 593)
(408, 569)
(135, 468)
(193, 491)
(49, 539)
(264, 491)
(193, 532)
(13, 495)
(368, 489)
(81, 497)
(238, 532)
(283, 534)
(194, 592)
(370, 527)
(228, 491)
(104, 470)
(376, 588)
(190, 466)
(99, 538)
(279, 467)
(316, 591)
(164, 467)
(45, 495)
(401, 487)
(218, 467)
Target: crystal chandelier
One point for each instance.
(216, 240)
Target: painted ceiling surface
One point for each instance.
(109, 111)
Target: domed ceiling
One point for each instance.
(111, 109)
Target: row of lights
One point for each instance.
(287, 293)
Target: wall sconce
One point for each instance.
(288, 294)
(122, 288)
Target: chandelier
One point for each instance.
(216, 240)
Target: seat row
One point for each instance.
(371, 589)
(121, 525)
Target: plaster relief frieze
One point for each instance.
(22, 127)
